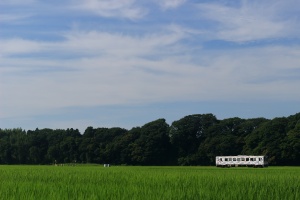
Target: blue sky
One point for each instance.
(107, 63)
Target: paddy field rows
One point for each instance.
(125, 182)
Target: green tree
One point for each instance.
(269, 140)
(153, 145)
(187, 134)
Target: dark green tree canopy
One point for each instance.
(191, 140)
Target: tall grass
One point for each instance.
(97, 182)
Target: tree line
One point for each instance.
(192, 140)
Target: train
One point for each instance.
(242, 161)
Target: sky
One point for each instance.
(124, 63)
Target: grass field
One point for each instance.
(97, 182)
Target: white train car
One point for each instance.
(241, 160)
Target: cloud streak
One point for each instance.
(132, 53)
(250, 21)
(8, 18)
(112, 8)
(106, 73)
(169, 4)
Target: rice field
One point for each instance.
(124, 182)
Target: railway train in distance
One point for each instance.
(241, 160)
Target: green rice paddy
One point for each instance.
(124, 182)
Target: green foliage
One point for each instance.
(192, 140)
(151, 148)
(187, 134)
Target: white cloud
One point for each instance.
(34, 82)
(19, 46)
(252, 20)
(114, 67)
(12, 18)
(120, 45)
(95, 43)
(166, 4)
(98, 68)
(111, 8)
(37, 85)
(11, 12)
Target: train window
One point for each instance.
(238, 159)
(247, 159)
(230, 159)
(260, 159)
(220, 159)
(242, 159)
(234, 159)
(226, 159)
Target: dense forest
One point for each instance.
(192, 140)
